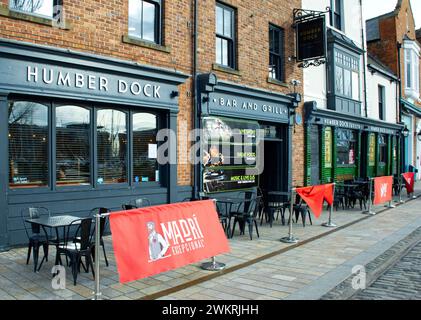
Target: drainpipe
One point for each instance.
(402, 139)
(195, 93)
(364, 60)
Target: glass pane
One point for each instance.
(148, 17)
(112, 146)
(28, 145)
(219, 20)
(347, 83)
(135, 21)
(224, 52)
(339, 81)
(228, 23)
(73, 145)
(42, 7)
(144, 137)
(219, 50)
(356, 86)
(275, 45)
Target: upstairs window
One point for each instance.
(412, 71)
(381, 103)
(347, 76)
(38, 7)
(145, 19)
(225, 36)
(276, 53)
(336, 14)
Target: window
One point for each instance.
(28, 144)
(347, 78)
(382, 149)
(145, 19)
(276, 51)
(346, 147)
(73, 145)
(111, 146)
(408, 69)
(145, 164)
(225, 39)
(412, 70)
(336, 14)
(38, 7)
(381, 103)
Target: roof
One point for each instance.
(374, 63)
(335, 36)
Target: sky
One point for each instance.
(374, 8)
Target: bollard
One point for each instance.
(97, 293)
(213, 265)
(290, 239)
(329, 224)
(370, 212)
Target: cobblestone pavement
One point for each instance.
(290, 269)
(400, 282)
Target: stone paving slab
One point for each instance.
(292, 267)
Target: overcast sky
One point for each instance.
(374, 8)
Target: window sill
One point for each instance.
(277, 82)
(218, 67)
(141, 43)
(6, 12)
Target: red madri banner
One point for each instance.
(152, 240)
(383, 187)
(314, 196)
(409, 179)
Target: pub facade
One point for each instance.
(345, 136)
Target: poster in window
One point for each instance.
(371, 150)
(328, 148)
(229, 151)
(351, 156)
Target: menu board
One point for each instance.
(230, 152)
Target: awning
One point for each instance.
(410, 107)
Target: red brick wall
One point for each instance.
(97, 26)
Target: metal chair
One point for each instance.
(141, 203)
(248, 216)
(36, 237)
(75, 250)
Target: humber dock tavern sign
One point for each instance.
(61, 78)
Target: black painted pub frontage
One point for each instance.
(244, 129)
(79, 131)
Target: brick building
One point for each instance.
(86, 85)
(392, 39)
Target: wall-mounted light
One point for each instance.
(419, 135)
(405, 132)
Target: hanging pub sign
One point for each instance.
(311, 39)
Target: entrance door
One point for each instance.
(272, 175)
(364, 155)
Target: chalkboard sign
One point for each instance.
(230, 150)
(311, 39)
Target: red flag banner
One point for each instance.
(152, 240)
(314, 196)
(409, 179)
(383, 190)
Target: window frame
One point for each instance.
(232, 56)
(335, 13)
(52, 17)
(158, 27)
(384, 152)
(353, 140)
(382, 102)
(52, 187)
(280, 55)
(350, 63)
(108, 186)
(48, 186)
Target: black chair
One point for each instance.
(141, 203)
(36, 237)
(300, 208)
(248, 215)
(128, 207)
(75, 250)
(102, 227)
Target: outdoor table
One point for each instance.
(54, 222)
(229, 203)
(348, 189)
(271, 211)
